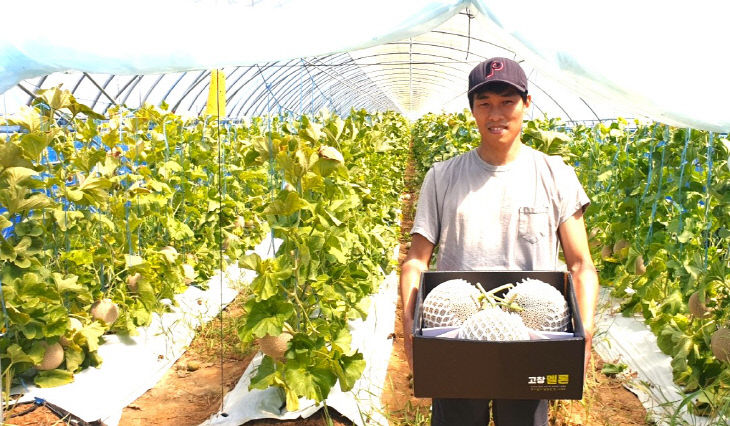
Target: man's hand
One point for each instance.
(417, 260)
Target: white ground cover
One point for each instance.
(136, 363)
(629, 340)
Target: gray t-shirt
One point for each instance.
(485, 217)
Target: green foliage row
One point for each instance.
(129, 208)
(659, 227)
(336, 212)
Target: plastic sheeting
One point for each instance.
(144, 37)
(135, 364)
(663, 60)
(372, 337)
(655, 59)
(629, 340)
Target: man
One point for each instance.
(500, 206)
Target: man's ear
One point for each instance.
(528, 101)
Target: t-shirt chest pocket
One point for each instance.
(534, 223)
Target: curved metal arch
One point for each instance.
(190, 88)
(364, 75)
(265, 91)
(164, 98)
(206, 88)
(255, 104)
(131, 89)
(425, 77)
(238, 101)
(230, 91)
(152, 87)
(473, 39)
(78, 83)
(103, 90)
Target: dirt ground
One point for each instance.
(193, 389)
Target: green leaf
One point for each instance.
(17, 355)
(4, 222)
(53, 378)
(290, 204)
(55, 97)
(309, 382)
(27, 118)
(265, 376)
(91, 333)
(34, 144)
(69, 284)
(132, 260)
(351, 370)
(17, 175)
(251, 261)
(610, 369)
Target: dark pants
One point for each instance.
(475, 412)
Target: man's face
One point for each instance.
(499, 116)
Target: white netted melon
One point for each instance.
(543, 307)
(450, 303)
(494, 324)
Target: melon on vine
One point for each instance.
(52, 357)
(720, 343)
(105, 310)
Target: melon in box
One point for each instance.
(446, 366)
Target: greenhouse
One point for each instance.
(206, 207)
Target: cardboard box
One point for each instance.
(528, 369)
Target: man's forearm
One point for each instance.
(409, 281)
(585, 280)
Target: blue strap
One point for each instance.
(682, 165)
(659, 186)
(708, 219)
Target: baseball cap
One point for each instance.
(497, 70)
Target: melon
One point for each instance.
(620, 249)
(639, 266)
(132, 281)
(275, 346)
(450, 303)
(494, 324)
(170, 253)
(542, 306)
(52, 358)
(105, 310)
(696, 307)
(606, 252)
(720, 343)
